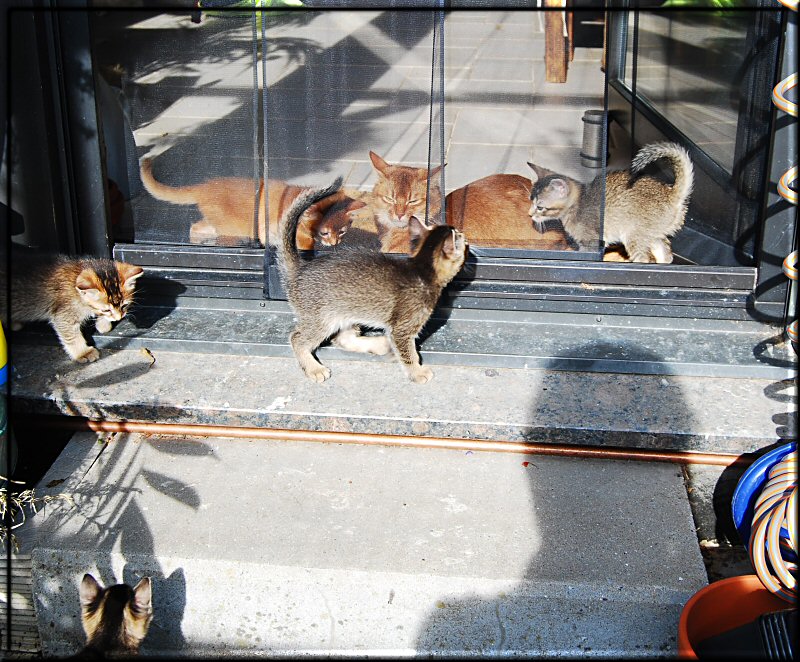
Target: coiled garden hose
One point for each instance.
(773, 537)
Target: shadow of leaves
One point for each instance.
(175, 489)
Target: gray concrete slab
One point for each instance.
(242, 388)
(287, 548)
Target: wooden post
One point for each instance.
(555, 45)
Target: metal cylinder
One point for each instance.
(592, 150)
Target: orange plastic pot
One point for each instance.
(722, 606)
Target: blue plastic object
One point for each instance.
(749, 488)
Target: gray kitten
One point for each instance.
(333, 293)
(641, 212)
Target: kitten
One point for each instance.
(328, 221)
(401, 193)
(641, 212)
(67, 291)
(335, 291)
(115, 619)
(226, 206)
(493, 212)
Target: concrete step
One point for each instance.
(272, 547)
(617, 344)
(686, 413)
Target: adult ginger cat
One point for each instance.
(493, 212)
(226, 206)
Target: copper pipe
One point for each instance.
(455, 443)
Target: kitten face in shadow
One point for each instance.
(115, 619)
(329, 220)
(333, 293)
(67, 291)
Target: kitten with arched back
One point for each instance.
(335, 291)
(115, 619)
(641, 212)
(68, 291)
(226, 205)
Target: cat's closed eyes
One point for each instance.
(333, 293)
(641, 212)
(67, 291)
(402, 192)
(115, 619)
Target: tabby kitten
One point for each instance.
(401, 193)
(115, 619)
(67, 291)
(335, 291)
(641, 212)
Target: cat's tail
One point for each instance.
(678, 158)
(178, 195)
(288, 223)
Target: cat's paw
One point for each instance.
(318, 373)
(90, 355)
(421, 375)
(103, 325)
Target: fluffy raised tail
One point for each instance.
(289, 221)
(177, 195)
(678, 158)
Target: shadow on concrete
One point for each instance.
(572, 550)
(112, 518)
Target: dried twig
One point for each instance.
(14, 504)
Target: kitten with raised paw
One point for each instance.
(115, 619)
(67, 291)
(333, 293)
(641, 212)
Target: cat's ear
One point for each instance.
(538, 172)
(450, 245)
(143, 595)
(559, 186)
(354, 206)
(380, 165)
(129, 274)
(89, 590)
(87, 286)
(424, 171)
(418, 229)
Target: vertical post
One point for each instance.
(555, 44)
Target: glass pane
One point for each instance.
(349, 93)
(690, 68)
(514, 97)
(180, 94)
